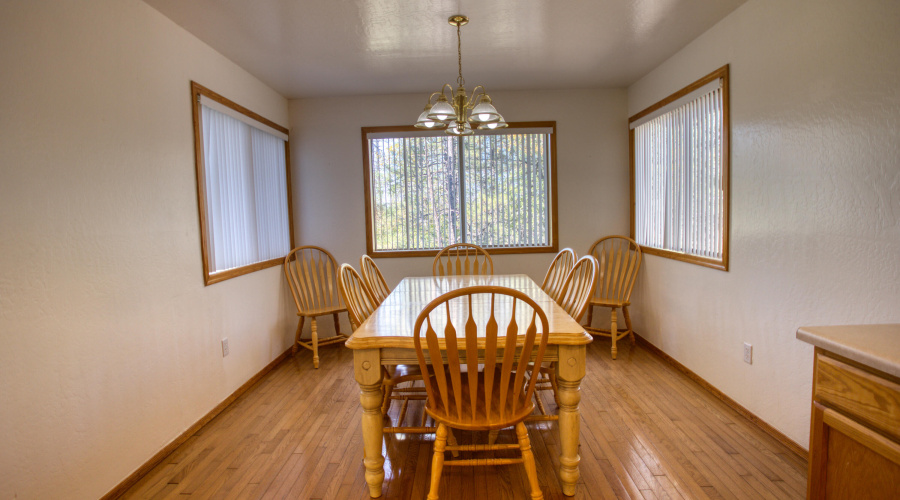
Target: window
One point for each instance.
(426, 189)
(679, 159)
(243, 187)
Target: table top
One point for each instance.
(391, 325)
(877, 346)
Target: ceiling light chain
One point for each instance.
(460, 80)
(459, 112)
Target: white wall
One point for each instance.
(815, 226)
(592, 172)
(110, 342)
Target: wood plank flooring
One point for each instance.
(647, 432)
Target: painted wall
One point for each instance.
(328, 171)
(815, 235)
(110, 341)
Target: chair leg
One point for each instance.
(451, 440)
(297, 335)
(628, 323)
(552, 375)
(315, 343)
(492, 436)
(386, 404)
(337, 324)
(437, 461)
(613, 333)
(528, 461)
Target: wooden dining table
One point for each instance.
(386, 338)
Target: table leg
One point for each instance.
(368, 373)
(569, 372)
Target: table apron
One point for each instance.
(391, 356)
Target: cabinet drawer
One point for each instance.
(869, 398)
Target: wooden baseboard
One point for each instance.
(136, 476)
(768, 429)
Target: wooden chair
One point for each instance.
(557, 273)
(620, 260)
(356, 294)
(575, 293)
(374, 278)
(311, 274)
(360, 305)
(500, 395)
(462, 258)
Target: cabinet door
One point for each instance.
(849, 460)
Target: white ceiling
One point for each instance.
(358, 47)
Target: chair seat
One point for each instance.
(595, 301)
(398, 371)
(451, 417)
(322, 311)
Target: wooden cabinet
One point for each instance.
(855, 431)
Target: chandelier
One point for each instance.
(458, 112)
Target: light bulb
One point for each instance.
(442, 117)
(484, 117)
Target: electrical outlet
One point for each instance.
(225, 347)
(748, 353)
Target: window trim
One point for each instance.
(215, 277)
(721, 265)
(553, 218)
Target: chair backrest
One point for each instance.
(373, 277)
(620, 259)
(579, 286)
(462, 258)
(522, 316)
(311, 274)
(557, 273)
(357, 295)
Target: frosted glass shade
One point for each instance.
(427, 123)
(501, 123)
(460, 129)
(442, 111)
(484, 112)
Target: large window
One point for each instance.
(425, 189)
(680, 156)
(243, 187)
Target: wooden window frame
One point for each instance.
(726, 171)
(215, 277)
(553, 218)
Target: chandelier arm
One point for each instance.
(471, 102)
(449, 87)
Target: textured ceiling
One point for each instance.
(358, 47)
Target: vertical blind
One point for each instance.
(429, 191)
(246, 192)
(678, 169)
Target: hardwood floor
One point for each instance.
(647, 432)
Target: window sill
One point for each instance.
(721, 265)
(240, 271)
(432, 253)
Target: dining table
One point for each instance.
(385, 338)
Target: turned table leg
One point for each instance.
(368, 373)
(569, 372)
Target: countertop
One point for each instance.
(877, 346)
